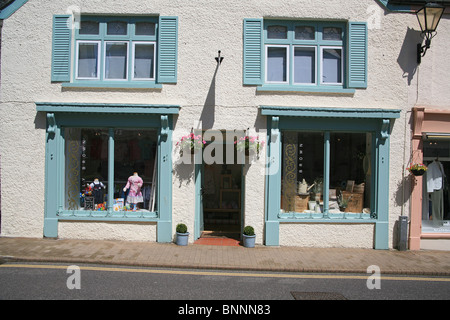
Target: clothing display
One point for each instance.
(97, 191)
(435, 174)
(134, 183)
(435, 177)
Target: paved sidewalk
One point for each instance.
(260, 258)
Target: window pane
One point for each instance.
(277, 64)
(350, 173)
(276, 32)
(332, 66)
(305, 33)
(117, 28)
(302, 172)
(144, 55)
(304, 65)
(89, 27)
(116, 61)
(87, 60)
(86, 168)
(435, 195)
(332, 33)
(145, 29)
(135, 170)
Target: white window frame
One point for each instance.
(288, 54)
(321, 66)
(315, 65)
(104, 59)
(133, 60)
(98, 59)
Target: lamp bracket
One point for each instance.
(422, 50)
(219, 58)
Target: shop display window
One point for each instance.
(87, 169)
(435, 197)
(339, 166)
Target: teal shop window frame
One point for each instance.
(109, 116)
(327, 120)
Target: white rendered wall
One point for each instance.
(215, 96)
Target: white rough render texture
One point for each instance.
(107, 230)
(215, 96)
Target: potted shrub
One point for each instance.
(182, 234)
(249, 237)
(417, 169)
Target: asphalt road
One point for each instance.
(89, 282)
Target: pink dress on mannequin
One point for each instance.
(134, 184)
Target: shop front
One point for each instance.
(430, 201)
(327, 181)
(109, 164)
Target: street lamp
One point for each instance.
(429, 17)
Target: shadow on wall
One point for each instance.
(407, 59)
(207, 116)
(184, 172)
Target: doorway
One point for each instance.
(220, 198)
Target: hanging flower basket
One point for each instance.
(248, 145)
(191, 143)
(417, 169)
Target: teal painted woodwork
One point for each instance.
(110, 170)
(110, 116)
(5, 13)
(51, 182)
(111, 84)
(353, 42)
(313, 112)
(199, 218)
(164, 193)
(61, 43)
(382, 187)
(396, 7)
(300, 88)
(327, 120)
(357, 55)
(167, 50)
(165, 39)
(326, 172)
(253, 52)
(273, 185)
(107, 108)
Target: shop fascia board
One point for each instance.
(362, 113)
(107, 108)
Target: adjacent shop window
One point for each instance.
(124, 50)
(436, 200)
(348, 182)
(316, 51)
(87, 165)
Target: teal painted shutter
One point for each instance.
(253, 48)
(167, 49)
(61, 48)
(357, 55)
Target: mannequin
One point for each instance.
(134, 183)
(435, 177)
(97, 190)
